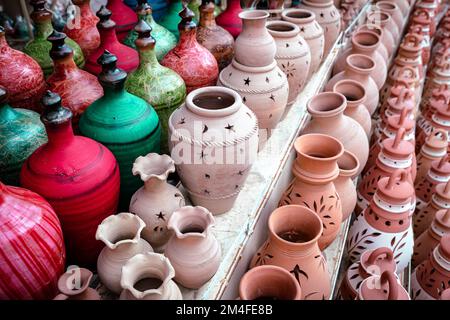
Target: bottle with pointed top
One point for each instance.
(165, 40)
(123, 122)
(78, 176)
(78, 89)
(163, 88)
(171, 19)
(193, 62)
(39, 47)
(127, 58)
(124, 17)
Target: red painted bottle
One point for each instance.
(229, 19)
(124, 17)
(78, 176)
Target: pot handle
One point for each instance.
(439, 134)
(391, 280)
(399, 136)
(398, 175)
(378, 252)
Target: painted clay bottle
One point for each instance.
(21, 76)
(159, 7)
(292, 244)
(213, 37)
(160, 86)
(79, 177)
(327, 111)
(193, 62)
(386, 221)
(165, 40)
(30, 236)
(193, 250)
(22, 132)
(346, 189)
(311, 31)
(149, 276)
(123, 16)
(383, 20)
(157, 199)
(229, 19)
(269, 282)
(121, 234)
(126, 124)
(128, 58)
(39, 47)
(432, 276)
(434, 148)
(171, 19)
(315, 170)
(83, 29)
(74, 285)
(384, 287)
(77, 88)
(211, 184)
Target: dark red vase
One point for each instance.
(78, 176)
(128, 58)
(124, 17)
(32, 254)
(229, 19)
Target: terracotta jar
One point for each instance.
(359, 68)
(394, 11)
(171, 19)
(315, 170)
(345, 187)
(355, 94)
(193, 250)
(121, 234)
(215, 113)
(148, 276)
(439, 120)
(381, 47)
(425, 40)
(430, 103)
(424, 18)
(157, 199)
(311, 31)
(404, 6)
(328, 17)
(432, 276)
(384, 21)
(74, 285)
(229, 19)
(384, 287)
(79, 177)
(292, 244)
(327, 111)
(82, 28)
(30, 236)
(437, 77)
(22, 132)
(293, 55)
(213, 37)
(128, 59)
(269, 282)
(123, 16)
(21, 76)
(193, 62)
(386, 221)
(371, 263)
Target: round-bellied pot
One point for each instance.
(345, 187)
(123, 16)
(380, 32)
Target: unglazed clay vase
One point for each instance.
(193, 249)
(213, 37)
(157, 199)
(383, 20)
(425, 19)
(315, 170)
(386, 221)
(208, 164)
(293, 55)
(22, 132)
(74, 285)
(30, 235)
(269, 282)
(123, 16)
(171, 19)
(379, 31)
(345, 187)
(121, 234)
(82, 28)
(193, 62)
(79, 177)
(394, 11)
(292, 244)
(310, 31)
(384, 287)
(404, 6)
(425, 41)
(327, 111)
(439, 120)
(149, 276)
(229, 19)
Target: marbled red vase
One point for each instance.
(124, 17)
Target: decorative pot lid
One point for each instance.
(441, 223)
(397, 148)
(396, 189)
(404, 100)
(395, 122)
(411, 45)
(440, 170)
(436, 143)
(442, 192)
(441, 253)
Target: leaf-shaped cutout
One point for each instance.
(398, 255)
(205, 128)
(315, 206)
(327, 216)
(354, 276)
(321, 200)
(393, 241)
(298, 195)
(361, 247)
(376, 234)
(401, 246)
(306, 204)
(368, 241)
(322, 209)
(364, 232)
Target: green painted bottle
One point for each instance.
(126, 124)
(171, 20)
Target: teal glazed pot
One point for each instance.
(171, 20)
(124, 123)
(21, 132)
(162, 87)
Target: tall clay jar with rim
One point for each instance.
(348, 168)
(315, 170)
(292, 244)
(213, 121)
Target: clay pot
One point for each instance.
(269, 282)
(74, 285)
(229, 19)
(384, 287)
(345, 187)
(393, 9)
(148, 276)
(424, 18)
(425, 41)
(193, 250)
(293, 55)
(380, 32)
(157, 199)
(359, 67)
(437, 77)
(292, 244)
(404, 6)
(384, 20)
(386, 221)
(121, 234)
(327, 111)
(123, 16)
(315, 170)
(311, 31)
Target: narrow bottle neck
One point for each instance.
(60, 134)
(43, 29)
(114, 92)
(187, 38)
(108, 36)
(154, 185)
(64, 66)
(147, 57)
(207, 18)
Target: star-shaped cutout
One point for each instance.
(182, 121)
(272, 97)
(230, 127)
(161, 216)
(247, 81)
